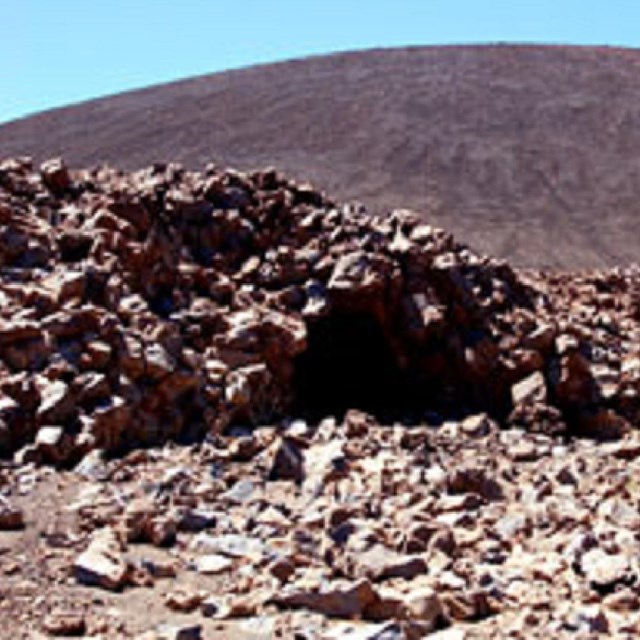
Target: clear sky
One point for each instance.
(54, 52)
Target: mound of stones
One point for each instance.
(137, 308)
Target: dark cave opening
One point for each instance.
(349, 364)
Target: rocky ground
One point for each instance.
(230, 408)
(347, 530)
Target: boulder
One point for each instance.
(530, 390)
(11, 516)
(380, 563)
(102, 564)
(52, 444)
(336, 600)
(57, 405)
(287, 461)
(55, 175)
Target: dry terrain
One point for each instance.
(231, 408)
(529, 153)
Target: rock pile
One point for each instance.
(163, 304)
(386, 416)
(342, 530)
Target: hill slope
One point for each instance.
(529, 153)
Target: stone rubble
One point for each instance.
(408, 537)
(163, 304)
(170, 469)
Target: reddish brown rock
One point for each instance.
(66, 624)
(11, 517)
(531, 390)
(55, 175)
(166, 304)
(102, 564)
(287, 461)
(334, 600)
(184, 600)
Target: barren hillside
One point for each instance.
(529, 153)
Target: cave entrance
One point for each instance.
(349, 364)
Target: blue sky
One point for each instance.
(54, 52)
